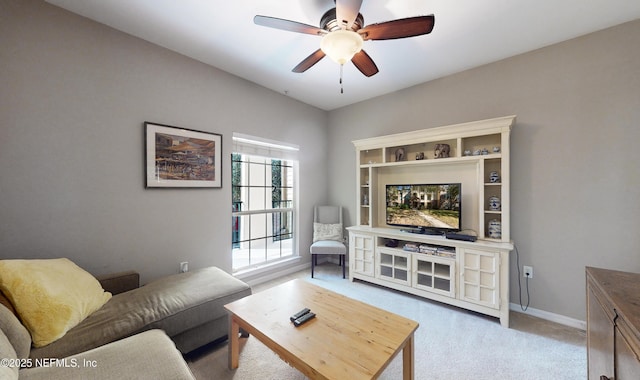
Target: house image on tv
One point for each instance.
(420, 197)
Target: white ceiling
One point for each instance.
(467, 34)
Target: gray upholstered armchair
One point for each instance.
(328, 235)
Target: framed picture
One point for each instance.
(179, 157)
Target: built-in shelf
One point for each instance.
(477, 155)
(474, 154)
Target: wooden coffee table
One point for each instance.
(347, 339)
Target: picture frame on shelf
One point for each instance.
(178, 157)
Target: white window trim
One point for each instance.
(258, 146)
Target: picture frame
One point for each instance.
(180, 157)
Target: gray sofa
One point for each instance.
(148, 355)
(187, 307)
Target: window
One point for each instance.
(263, 181)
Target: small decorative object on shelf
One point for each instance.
(496, 149)
(392, 243)
(411, 247)
(420, 156)
(437, 250)
(477, 152)
(494, 203)
(494, 177)
(365, 200)
(399, 154)
(495, 229)
(467, 152)
(441, 151)
(485, 151)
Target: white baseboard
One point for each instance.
(557, 318)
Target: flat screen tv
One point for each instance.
(428, 208)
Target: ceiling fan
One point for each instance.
(343, 33)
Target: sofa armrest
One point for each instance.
(120, 282)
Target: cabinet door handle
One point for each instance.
(603, 377)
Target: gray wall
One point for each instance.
(74, 95)
(73, 98)
(575, 152)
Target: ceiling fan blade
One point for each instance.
(311, 60)
(347, 11)
(401, 28)
(288, 25)
(364, 63)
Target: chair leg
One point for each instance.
(342, 260)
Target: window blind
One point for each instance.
(258, 146)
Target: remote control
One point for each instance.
(299, 314)
(307, 317)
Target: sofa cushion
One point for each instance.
(173, 303)
(16, 333)
(195, 298)
(148, 355)
(326, 247)
(51, 296)
(9, 365)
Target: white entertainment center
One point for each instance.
(470, 275)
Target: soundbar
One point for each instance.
(459, 236)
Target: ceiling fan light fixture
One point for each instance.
(341, 45)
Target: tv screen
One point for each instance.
(431, 208)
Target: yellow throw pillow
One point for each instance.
(50, 296)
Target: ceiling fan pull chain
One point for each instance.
(341, 86)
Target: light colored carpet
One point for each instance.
(450, 343)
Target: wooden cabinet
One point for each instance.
(613, 324)
(393, 265)
(600, 338)
(626, 360)
(480, 279)
(470, 275)
(361, 257)
(434, 274)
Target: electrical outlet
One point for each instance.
(527, 271)
(184, 266)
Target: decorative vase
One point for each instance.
(494, 177)
(494, 203)
(495, 229)
(441, 150)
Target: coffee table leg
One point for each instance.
(407, 359)
(234, 342)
